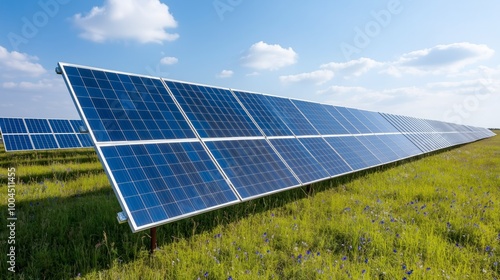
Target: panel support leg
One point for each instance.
(153, 240)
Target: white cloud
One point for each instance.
(169, 60)
(33, 86)
(225, 74)
(262, 56)
(144, 21)
(343, 90)
(441, 59)
(255, 73)
(15, 64)
(318, 77)
(352, 68)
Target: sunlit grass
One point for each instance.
(435, 217)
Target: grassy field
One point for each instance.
(434, 217)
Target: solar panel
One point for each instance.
(291, 116)
(326, 156)
(44, 141)
(24, 134)
(214, 112)
(161, 182)
(38, 126)
(12, 125)
(252, 166)
(348, 114)
(17, 142)
(303, 164)
(319, 117)
(121, 107)
(353, 152)
(262, 112)
(176, 149)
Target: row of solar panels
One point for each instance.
(174, 149)
(23, 134)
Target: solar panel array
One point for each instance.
(25, 134)
(175, 149)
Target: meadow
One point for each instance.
(436, 216)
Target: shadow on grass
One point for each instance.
(63, 237)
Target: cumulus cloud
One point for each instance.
(262, 56)
(440, 59)
(15, 64)
(225, 74)
(318, 77)
(352, 68)
(169, 60)
(144, 21)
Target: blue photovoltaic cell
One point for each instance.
(353, 152)
(291, 116)
(44, 141)
(348, 114)
(380, 149)
(400, 145)
(12, 125)
(319, 117)
(326, 156)
(214, 112)
(61, 126)
(252, 166)
(162, 182)
(302, 163)
(120, 107)
(67, 141)
(38, 126)
(261, 111)
(85, 140)
(77, 124)
(17, 142)
(369, 123)
(332, 110)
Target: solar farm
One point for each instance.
(245, 185)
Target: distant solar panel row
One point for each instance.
(23, 134)
(175, 149)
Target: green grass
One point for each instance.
(435, 217)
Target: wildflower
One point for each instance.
(403, 267)
(230, 278)
(363, 271)
(394, 250)
(428, 269)
(344, 258)
(366, 260)
(317, 254)
(409, 272)
(308, 252)
(265, 234)
(487, 249)
(206, 274)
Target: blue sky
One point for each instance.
(430, 59)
